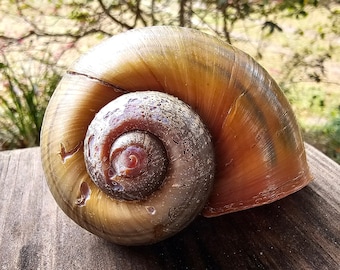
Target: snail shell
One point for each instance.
(249, 148)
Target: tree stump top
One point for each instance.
(301, 231)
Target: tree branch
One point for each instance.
(107, 12)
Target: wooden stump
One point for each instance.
(301, 231)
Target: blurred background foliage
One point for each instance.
(298, 42)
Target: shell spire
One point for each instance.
(236, 109)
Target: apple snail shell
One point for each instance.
(234, 144)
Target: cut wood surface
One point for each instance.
(301, 231)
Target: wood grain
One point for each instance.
(301, 231)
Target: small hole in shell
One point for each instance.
(85, 193)
(116, 187)
(66, 154)
(151, 210)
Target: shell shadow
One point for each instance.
(273, 235)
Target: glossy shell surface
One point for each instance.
(259, 152)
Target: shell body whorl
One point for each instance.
(258, 150)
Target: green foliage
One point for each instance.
(326, 137)
(297, 41)
(23, 102)
(319, 117)
(333, 133)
